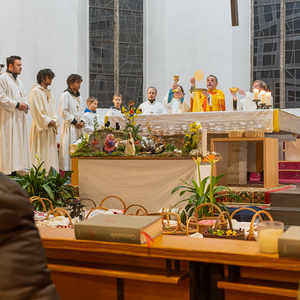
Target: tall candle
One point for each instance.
(256, 94)
(262, 97)
(268, 98)
(268, 240)
(204, 142)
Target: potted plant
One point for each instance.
(52, 185)
(203, 192)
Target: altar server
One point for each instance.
(71, 109)
(45, 122)
(90, 116)
(210, 100)
(14, 141)
(115, 110)
(247, 103)
(175, 101)
(151, 106)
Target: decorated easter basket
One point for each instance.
(252, 226)
(42, 200)
(222, 223)
(216, 232)
(140, 211)
(122, 201)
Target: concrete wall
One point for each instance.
(184, 36)
(47, 34)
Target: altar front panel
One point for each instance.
(148, 182)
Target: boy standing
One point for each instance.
(115, 110)
(89, 116)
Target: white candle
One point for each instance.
(204, 142)
(256, 94)
(268, 98)
(268, 240)
(262, 97)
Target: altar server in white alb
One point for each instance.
(175, 101)
(14, 141)
(71, 109)
(90, 116)
(151, 106)
(115, 110)
(247, 103)
(45, 123)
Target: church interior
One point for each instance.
(210, 161)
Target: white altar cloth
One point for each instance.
(148, 182)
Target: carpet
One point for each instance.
(257, 195)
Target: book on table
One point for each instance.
(119, 228)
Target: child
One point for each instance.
(89, 116)
(115, 110)
(109, 145)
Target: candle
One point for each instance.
(105, 119)
(268, 98)
(268, 234)
(204, 142)
(262, 97)
(256, 94)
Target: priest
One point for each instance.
(211, 99)
(45, 122)
(71, 109)
(151, 106)
(14, 142)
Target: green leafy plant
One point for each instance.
(203, 192)
(52, 185)
(190, 140)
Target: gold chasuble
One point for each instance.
(200, 103)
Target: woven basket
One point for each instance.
(178, 229)
(96, 208)
(42, 200)
(251, 235)
(239, 236)
(223, 221)
(88, 199)
(113, 197)
(141, 209)
(59, 210)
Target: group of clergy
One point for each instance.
(18, 153)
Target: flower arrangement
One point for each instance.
(191, 140)
(203, 192)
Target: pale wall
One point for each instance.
(184, 36)
(47, 34)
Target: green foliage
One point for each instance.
(135, 130)
(190, 140)
(170, 147)
(52, 185)
(202, 192)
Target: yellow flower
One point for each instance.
(197, 161)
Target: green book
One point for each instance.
(119, 228)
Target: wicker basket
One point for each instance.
(96, 208)
(251, 235)
(178, 229)
(113, 197)
(141, 209)
(59, 210)
(42, 200)
(223, 221)
(239, 236)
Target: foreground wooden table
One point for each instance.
(173, 267)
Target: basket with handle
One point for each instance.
(96, 208)
(88, 199)
(251, 230)
(63, 212)
(223, 234)
(101, 204)
(42, 200)
(140, 209)
(222, 223)
(178, 229)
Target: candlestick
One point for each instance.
(256, 94)
(262, 97)
(268, 98)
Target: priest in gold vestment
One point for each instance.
(210, 100)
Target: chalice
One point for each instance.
(176, 79)
(234, 89)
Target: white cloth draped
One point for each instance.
(152, 108)
(42, 137)
(70, 108)
(88, 119)
(14, 142)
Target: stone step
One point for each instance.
(287, 215)
(286, 198)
